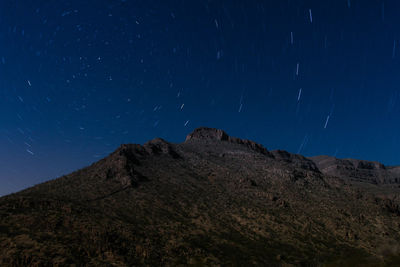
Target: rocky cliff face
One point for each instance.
(205, 134)
(355, 170)
(212, 200)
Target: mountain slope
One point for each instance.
(212, 200)
(358, 170)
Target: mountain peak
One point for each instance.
(205, 133)
(212, 134)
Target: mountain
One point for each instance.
(213, 200)
(358, 170)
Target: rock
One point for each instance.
(204, 133)
(211, 134)
(159, 146)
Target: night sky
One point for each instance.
(78, 78)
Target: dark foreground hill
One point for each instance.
(212, 200)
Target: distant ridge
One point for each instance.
(358, 170)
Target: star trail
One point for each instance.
(79, 78)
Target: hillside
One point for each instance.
(211, 200)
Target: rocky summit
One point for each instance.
(213, 200)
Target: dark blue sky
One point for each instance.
(78, 78)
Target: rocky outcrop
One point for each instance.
(206, 134)
(357, 170)
(159, 146)
(295, 159)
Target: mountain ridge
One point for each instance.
(211, 200)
